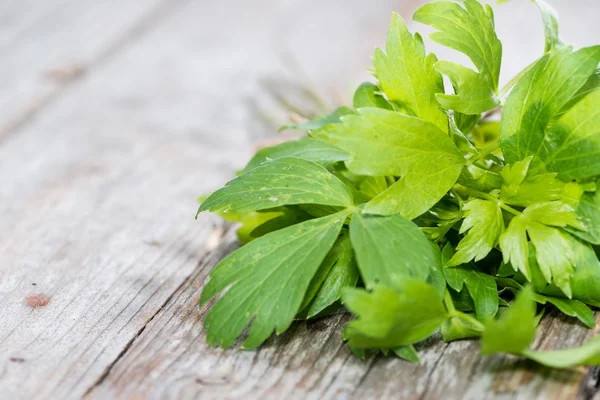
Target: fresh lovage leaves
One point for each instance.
(468, 27)
(416, 213)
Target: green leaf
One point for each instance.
(515, 248)
(333, 118)
(514, 331)
(483, 224)
(474, 92)
(468, 27)
(588, 211)
(371, 186)
(279, 182)
(390, 249)
(305, 148)
(369, 95)
(456, 329)
(383, 142)
(466, 123)
(389, 318)
(537, 98)
(408, 353)
(586, 354)
(482, 289)
(250, 221)
(572, 145)
(585, 283)
(286, 216)
(554, 252)
(268, 290)
(481, 286)
(522, 190)
(550, 20)
(572, 308)
(338, 271)
(553, 213)
(407, 76)
(592, 84)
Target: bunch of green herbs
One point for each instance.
(419, 211)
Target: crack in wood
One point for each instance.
(590, 386)
(223, 229)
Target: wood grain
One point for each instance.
(98, 190)
(47, 45)
(116, 115)
(171, 359)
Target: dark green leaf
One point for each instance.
(279, 182)
(338, 271)
(306, 148)
(390, 249)
(481, 286)
(588, 211)
(268, 290)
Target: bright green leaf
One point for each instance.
(369, 95)
(407, 76)
(586, 354)
(456, 329)
(483, 225)
(389, 318)
(514, 331)
(468, 27)
(383, 142)
(550, 20)
(538, 97)
(408, 353)
(572, 145)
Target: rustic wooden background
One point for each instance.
(115, 115)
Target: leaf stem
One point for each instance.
(486, 196)
(504, 91)
(492, 147)
(449, 303)
(454, 313)
(476, 325)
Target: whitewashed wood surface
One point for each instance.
(115, 116)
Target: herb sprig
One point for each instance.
(418, 212)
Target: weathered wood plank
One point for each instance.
(171, 359)
(98, 217)
(46, 45)
(98, 192)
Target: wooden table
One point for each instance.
(115, 116)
